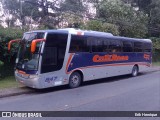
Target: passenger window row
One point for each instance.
(101, 44)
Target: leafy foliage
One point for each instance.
(131, 23)
(100, 26)
(42, 12)
(7, 59)
(7, 34)
(156, 43)
(93, 25)
(75, 6)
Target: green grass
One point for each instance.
(8, 82)
(156, 63)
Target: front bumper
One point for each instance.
(30, 82)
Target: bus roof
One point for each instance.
(132, 39)
(73, 31)
(88, 32)
(91, 33)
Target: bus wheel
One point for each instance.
(135, 71)
(75, 80)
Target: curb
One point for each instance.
(15, 91)
(25, 90)
(153, 69)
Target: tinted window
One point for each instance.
(147, 47)
(54, 52)
(105, 45)
(50, 56)
(115, 46)
(138, 47)
(97, 45)
(127, 46)
(39, 35)
(33, 35)
(79, 44)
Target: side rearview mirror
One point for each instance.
(34, 43)
(12, 41)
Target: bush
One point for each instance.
(7, 59)
(156, 56)
(7, 34)
(6, 70)
(156, 49)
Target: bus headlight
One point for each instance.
(33, 76)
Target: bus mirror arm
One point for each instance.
(34, 43)
(12, 41)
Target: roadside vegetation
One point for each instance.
(8, 82)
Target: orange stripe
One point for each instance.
(68, 62)
(22, 72)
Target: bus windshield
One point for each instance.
(25, 59)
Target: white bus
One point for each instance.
(48, 58)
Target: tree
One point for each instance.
(151, 9)
(131, 22)
(93, 25)
(143, 5)
(18, 10)
(40, 12)
(101, 26)
(111, 28)
(71, 20)
(154, 22)
(73, 12)
(75, 6)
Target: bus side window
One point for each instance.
(97, 44)
(115, 46)
(78, 44)
(138, 47)
(105, 45)
(127, 46)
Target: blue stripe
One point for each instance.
(86, 59)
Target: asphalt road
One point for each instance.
(122, 93)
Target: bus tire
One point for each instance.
(75, 80)
(135, 71)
